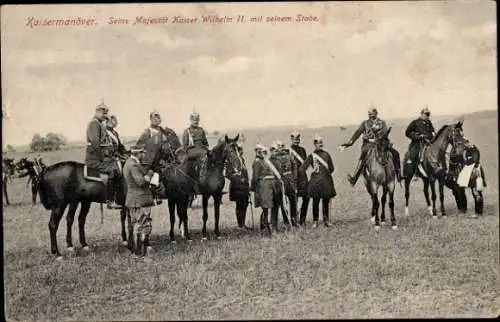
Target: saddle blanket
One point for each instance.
(92, 174)
(464, 176)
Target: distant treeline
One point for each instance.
(51, 142)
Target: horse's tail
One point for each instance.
(42, 191)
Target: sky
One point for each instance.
(400, 56)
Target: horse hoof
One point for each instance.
(71, 249)
(394, 227)
(59, 258)
(383, 223)
(377, 228)
(124, 243)
(203, 238)
(372, 219)
(189, 241)
(435, 217)
(407, 212)
(173, 242)
(150, 249)
(430, 210)
(219, 237)
(86, 248)
(473, 216)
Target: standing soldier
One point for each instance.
(266, 188)
(118, 155)
(420, 131)
(321, 185)
(299, 155)
(371, 129)
(97, 155)
(195, 143)
(239, 189)
(139, 199)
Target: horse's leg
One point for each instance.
(433, 196)
(391, 204)
(407, 193)
(217, 202)
(34, 191)
(123, 218)
(131, 236)
(375, 205)
(82, 217)
(426, 194)
(171, 211)
(204, 201)
(441, 196)
(478, 201)
(4, 184)
(293, 210)
(383, 200)
(55, 219)
(182, 209)
(70, 217)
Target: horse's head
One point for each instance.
(25, 166)
(233, 155)
(454, 136)
(9, 165)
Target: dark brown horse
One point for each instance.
(380, 172)
(433, 166)
(8, 172)
(32, 170)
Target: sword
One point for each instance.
(251, 209)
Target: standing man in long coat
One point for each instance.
(99, 150)
(239, 189)
(320, 187)
(299, 155)
(266, 188)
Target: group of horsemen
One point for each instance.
(105, 152)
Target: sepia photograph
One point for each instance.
(250, 161)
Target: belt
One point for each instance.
(268, 177)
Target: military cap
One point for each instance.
(425, 110)
(318, 139)
(137, 148)
(102, 107)
(295, 135)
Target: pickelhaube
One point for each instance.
(425, 110)
(295, 135)
(194, 116)
(102, 107)
(318, 139)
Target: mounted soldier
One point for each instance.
(98, 155)
(194, 141)
(372, 129)
(321, 186)
(421, 132)
(118, 155)
(299, 155)
(152, 139)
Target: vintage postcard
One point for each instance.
(281, 160)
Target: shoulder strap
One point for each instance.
(320, 160)
(273, 168)
(190, 137)
(297, 155)
(112, 136)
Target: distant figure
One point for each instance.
(194, 140)
(139, 199)
(421, 132)
(299, 155)
(99, 150)
(371, 129)
(321, 186)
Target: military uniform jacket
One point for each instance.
(138, 193)
(98, 144)
(370, 129)
(287, 167)
(152, 139)
(418, 127)
(119, 149)
(301, 176)
(239, 185)
(267, 191)
(194, 136)
(321, 183)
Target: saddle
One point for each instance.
(93, 174)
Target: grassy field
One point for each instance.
(426, 268)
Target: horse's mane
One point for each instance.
(439, 133)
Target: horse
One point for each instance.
(214, 183)
(433, 164)
(8, 171)
(380, 172)
(32, 170)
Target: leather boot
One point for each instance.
(357, 173)
(138, 245)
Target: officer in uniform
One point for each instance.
(266, 188)
(99, 149)
(420, 132)
(284, 162)
(299, 156)
(321, 186)
(118, 155)
(371, 129)
(194, 141)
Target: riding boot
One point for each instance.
(303, 210)
(110, 195)
(138, 245)
(357, 173)
(326, 211)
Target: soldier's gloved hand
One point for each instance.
(150, 173)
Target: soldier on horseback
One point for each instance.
(420, 131)
(99, 150)
(195, 143)
(117, 155)
(371, 129)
